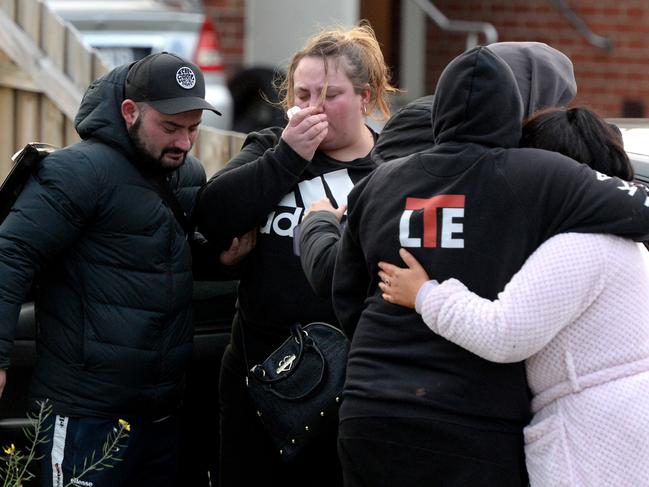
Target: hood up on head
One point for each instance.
(406, 132)
(477, 101)
(100, 115)
(544, 76)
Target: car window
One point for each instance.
(636, 144)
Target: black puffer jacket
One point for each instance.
(115, 280)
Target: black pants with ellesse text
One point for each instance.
(146, 454)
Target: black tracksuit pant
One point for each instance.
(145, 455)
(420, 452)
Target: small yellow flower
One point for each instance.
(10, 450)
(124, 424)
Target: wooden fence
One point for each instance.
(44, 71)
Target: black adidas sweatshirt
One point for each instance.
(472, 207)
(270, 186)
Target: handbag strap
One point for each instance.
(168, 196)
(161, 186)
(243, 349)
(299, 335)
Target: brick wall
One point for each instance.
(228, 17)
(607, 81)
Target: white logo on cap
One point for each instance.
(186, 78)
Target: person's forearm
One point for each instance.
(320, 234)
(549, 292)
(240, 197)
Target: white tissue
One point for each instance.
(292, 111)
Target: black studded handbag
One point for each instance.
(296, 390)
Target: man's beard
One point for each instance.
(146, 157)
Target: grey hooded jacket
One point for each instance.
(114, 271)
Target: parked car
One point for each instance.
(636, 143)
(127, 30)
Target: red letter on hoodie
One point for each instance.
(430, 207)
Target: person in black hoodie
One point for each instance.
(113, 300)
(335, 81)
(417, 409)
(579, 295)
(544, 77)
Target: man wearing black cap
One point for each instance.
(173, 88)
(101, 223)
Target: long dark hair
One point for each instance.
(582, 135)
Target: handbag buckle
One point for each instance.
(285, 364)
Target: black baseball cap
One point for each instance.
(168, 83)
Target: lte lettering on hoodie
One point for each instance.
(442, 217)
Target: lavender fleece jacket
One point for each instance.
(578, 313)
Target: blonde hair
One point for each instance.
(363, 64)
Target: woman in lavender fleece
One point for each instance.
(577, 312)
